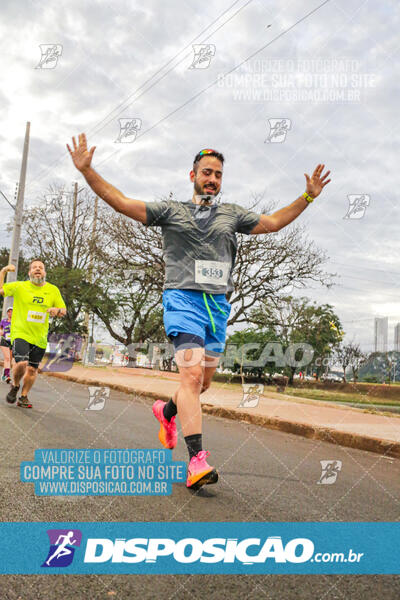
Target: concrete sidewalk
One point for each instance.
(333, 423)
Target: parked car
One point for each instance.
(332, 378)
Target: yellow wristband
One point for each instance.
(308, 197)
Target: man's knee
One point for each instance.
(32, 371)
(21, 364)
(193, 377)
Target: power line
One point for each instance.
(231, 70)
(174, 66)
(93, 129)
(346, 287)
(368, 268)
(366, 279)
(209, 86)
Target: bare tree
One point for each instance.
(58, 230)
(125, 291)
(131, 258)
(358, 358)
(345, 355)
(265, 265)
(269, 266)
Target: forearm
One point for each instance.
(104, 190)
(136, 209)
(280, 218)
(286, 215)
(2, 277)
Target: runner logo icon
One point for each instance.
(62, 547)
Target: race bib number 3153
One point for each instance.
(35, 316)
(212, 271)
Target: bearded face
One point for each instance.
(37, 273)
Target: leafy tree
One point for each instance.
(298, 321)
(248, 346)
(23, 266)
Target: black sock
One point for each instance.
(170, 410)
(194, 444)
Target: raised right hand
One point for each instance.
(81, 156)
(8, 268)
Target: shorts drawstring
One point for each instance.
(209, 311)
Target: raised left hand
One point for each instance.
(316, 183)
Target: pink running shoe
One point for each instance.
(200, 472)
(168, 434)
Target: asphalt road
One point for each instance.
(264, 476)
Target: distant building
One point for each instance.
(381, 334)
(397, 337)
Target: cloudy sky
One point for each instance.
(325, 70)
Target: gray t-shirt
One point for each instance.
(199, 242)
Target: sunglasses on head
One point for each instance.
(207, 151)
(204, 153)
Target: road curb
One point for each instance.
(325, 434)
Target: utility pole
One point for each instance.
(90, 273)
(19, 209)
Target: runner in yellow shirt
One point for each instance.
(34, 301)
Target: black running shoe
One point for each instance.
(12, 394)
(24, 402)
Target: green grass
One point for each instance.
(334, 396)
(322, 395)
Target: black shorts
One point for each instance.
(5, 343)
(24, 351)
(183, 341)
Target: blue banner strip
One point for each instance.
(212, 548)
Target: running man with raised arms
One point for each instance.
(199, 251)
(34, 301)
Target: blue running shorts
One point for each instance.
(197, 313)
